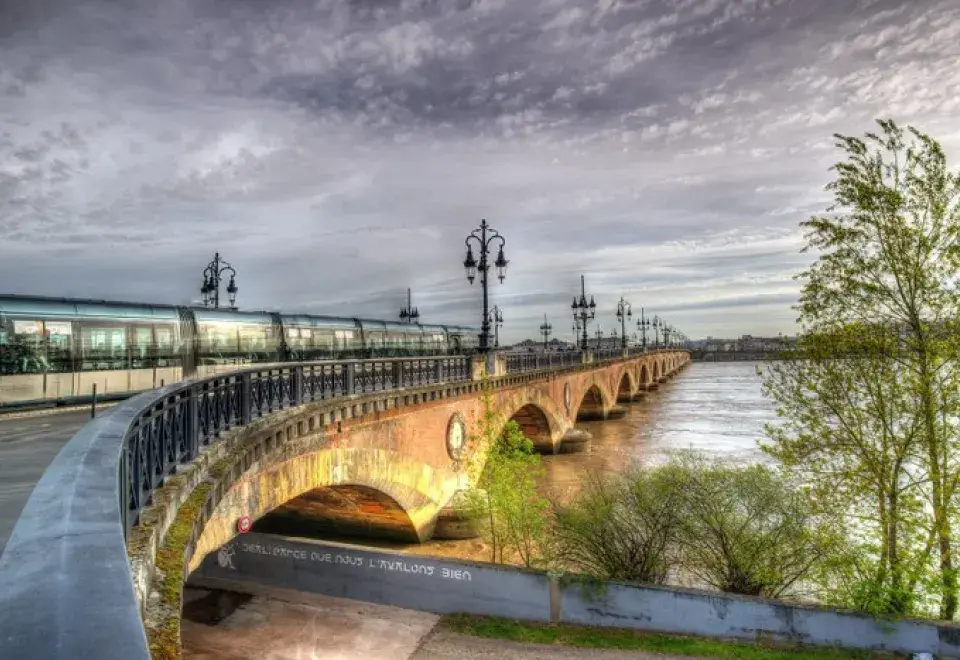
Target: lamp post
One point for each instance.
(583, 312)
(624, 312)
(599, 336)
(546, 330)
(212, 276)
(484, 236)
(409, 314)
(496, 320)
(657, 324)
(666, 336)
(642, 324)
(575, 328)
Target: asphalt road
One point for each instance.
(27, 445)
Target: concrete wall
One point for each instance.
(451, 586)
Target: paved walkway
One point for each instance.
(27, 445)
(219, 625)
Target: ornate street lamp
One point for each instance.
(583, 312)
(657, 324)
(624, 312)
(546, 330)
(642, 324)
(496, 320)
(599, 336)
(212, 276)
(409, 314)
(484, 237)
(666, 335)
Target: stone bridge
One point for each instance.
(390, 468)
(381, 459)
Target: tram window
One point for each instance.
(218, 338)
(21, 348)
(142, 348)
(59, 339)
(103, 348)
(253, 339)
(166, 348)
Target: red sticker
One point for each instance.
(244, 524)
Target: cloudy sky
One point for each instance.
(338, 152)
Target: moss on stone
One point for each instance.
(164, 636)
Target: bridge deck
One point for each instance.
(27, 445)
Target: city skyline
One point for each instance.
(338, 153)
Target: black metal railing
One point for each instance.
(526, 362)
(173, 429)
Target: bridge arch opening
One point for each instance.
(625, 390)
(341, 511)
(663, 369)
(591, 406)
(535, 424)
(656, 372)
(377, 491)
(644, 375)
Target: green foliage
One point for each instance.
(560, 635)
(621, 527)
(744, 530)
(505, 472)
(870, 398)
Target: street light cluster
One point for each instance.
(212, 276)
(584, 311)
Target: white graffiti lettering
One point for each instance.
(370, 563)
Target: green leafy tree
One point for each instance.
(504, 471)
(871, 398)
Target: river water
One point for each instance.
(716, 408)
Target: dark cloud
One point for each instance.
(339, 152)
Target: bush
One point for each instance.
(620, 527)
(744, 530)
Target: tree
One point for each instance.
(505, 470)
(877, 428)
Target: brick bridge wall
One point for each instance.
(396, 443)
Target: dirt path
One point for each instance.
(442, 645)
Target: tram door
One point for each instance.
(189, 343)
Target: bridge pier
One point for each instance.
(574, 441)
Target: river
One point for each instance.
(716, 408)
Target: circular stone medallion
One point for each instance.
(456, 436)
(566, 397)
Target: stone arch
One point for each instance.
(536, 425)
(644, 374)
(592, 405)
(656, 372)
(419, 490)
(663, 369)
(626, 388)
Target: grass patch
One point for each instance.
(631, 640)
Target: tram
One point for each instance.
(54, 350)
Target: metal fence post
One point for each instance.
(246, 399)
(296, 385)
(193, 422)
(396, 374)
(349, 376)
